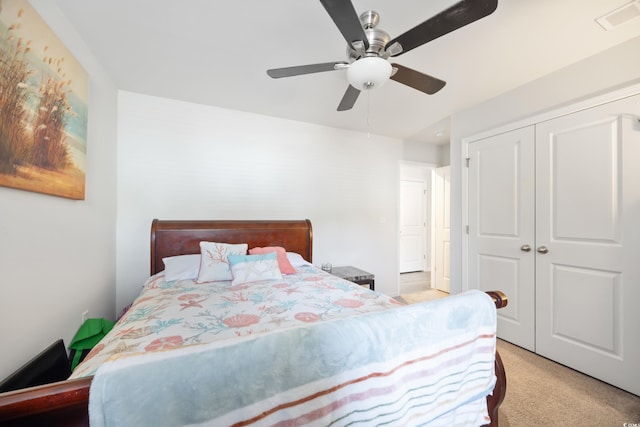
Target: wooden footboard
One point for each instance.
(494, 400)
(66, 402)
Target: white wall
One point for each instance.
(445, 154)
(57, 256)
(179, 160)
(609, 70)
(418, 151)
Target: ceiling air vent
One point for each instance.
(619, 16)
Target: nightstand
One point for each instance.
(355, 275)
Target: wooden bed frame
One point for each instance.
(66, 402)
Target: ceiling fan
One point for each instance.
(369, 48)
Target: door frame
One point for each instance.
(427, 168)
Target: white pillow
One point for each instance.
(214, 262)
(254, 268)
(296, 260)
(181, 267)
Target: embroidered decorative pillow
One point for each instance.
(181, 267)
(214, 262)
(253, 268)
(283, 262)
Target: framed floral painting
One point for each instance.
(43, 107)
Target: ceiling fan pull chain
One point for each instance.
(368, 109)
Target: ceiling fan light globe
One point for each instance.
(369, 73)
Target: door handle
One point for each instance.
(525, 248)
(543, 249)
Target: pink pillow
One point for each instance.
(283, 261)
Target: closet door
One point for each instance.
(501, 196)
(588, 241)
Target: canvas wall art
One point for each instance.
(43, 107)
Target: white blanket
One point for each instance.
(423, 364)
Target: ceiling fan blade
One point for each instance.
(278, 73)
(457, 16)
(346, 19)
(417, 80)
(349, 99)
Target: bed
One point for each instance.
(257, 317)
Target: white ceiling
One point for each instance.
(217, 53)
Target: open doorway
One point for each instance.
(423, 221)
(415, 227)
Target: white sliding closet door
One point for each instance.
(588, 221)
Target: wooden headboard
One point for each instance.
(171, 238)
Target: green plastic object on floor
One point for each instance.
(89, 334)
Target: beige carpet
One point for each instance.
(543, 393)
(428, 295)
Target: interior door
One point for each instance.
(442, 229)
(412, 225)
(588, 242)
(501, 228)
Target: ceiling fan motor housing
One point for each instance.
(377, 38)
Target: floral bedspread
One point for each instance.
(426, 364)
(181, 313)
